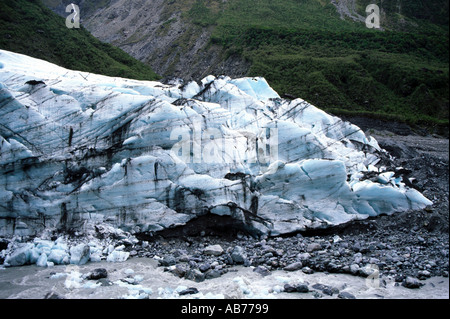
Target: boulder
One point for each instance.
(289, 288)
(294, 266)
(195, 275)
(212, 273)
(189, 291)
(302, 288)
(346, 295)
(179, 270)
(313, 247)
(213, 250)
(97, 274)
(238, 255)
(263, 271)
(412, 283)
(168, 261)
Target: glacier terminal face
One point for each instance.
(145, 156)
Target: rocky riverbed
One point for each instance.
(141, 278)
(412, 244)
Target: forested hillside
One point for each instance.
(318, 50)
(30, 28)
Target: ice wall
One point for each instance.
(146, 156)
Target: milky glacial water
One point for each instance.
(141, 278)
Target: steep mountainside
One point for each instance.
(318, 50)
(28, 27)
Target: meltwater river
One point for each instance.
(141, 278)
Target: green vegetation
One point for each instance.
(304, 49)
(28, 27)
(205, 12)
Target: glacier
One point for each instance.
(144, 156)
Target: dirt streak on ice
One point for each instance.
(150, 281)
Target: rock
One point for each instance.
(368, 270)
(189, 291)
(333, 267)
(345, 269)
(302, 288)
(204, 267)
(336, 239)
(307, 270)
(195, 275)
(266, 249)
(354, 269)
(167, 261)
(289, 288)
(346, 295)
(97, 274)
(356, 247)
(357, 258)
(317, 294)
(53, 295)
(423, 274)
(293, 267)
(179, 270)
(313, 247)
(279, 252)
(263, 271)
(179, 252)
(183, 258)
(214, 250)
(133, 253)
(412, 283)
(303, 256)
(129, 280)
(212, 273)
(3, 244)
(327, 290)
(238, 255)
(228, 260)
